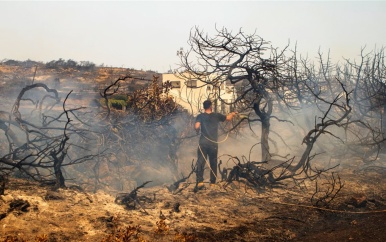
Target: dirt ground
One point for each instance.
(31, 212)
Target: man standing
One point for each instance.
(208, 145)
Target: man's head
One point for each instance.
(207, 104)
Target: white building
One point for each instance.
(190, 93)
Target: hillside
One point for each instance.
(100, 203)
(14, 77)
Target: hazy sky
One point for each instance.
(147, 34)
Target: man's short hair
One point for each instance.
(207, 104)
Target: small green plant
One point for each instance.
(118, 104)
(118, 101)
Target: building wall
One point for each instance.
(190, 93)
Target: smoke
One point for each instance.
(132, 152)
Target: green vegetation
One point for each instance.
(118, 101)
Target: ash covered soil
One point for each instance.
(31, 212)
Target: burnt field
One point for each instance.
(107, 155)
(238, 213)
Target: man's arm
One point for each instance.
(230, 116)
(197, 126)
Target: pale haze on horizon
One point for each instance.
(147, 34)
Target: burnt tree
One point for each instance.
(43, 145)
(145, 135)
(246, 60)
(366, 77)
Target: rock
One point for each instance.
(7, 198)
(20, 205)
(51, 195)
(358, 201)
(350, 206)
(176, 207)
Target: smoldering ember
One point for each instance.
(95, 153)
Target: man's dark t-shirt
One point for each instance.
(209, 126)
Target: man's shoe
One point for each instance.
(200, 186)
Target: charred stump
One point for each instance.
(131, 200)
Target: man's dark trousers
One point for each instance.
(207, 150)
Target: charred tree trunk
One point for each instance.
(59, 178)
(263, 109)
(59, 154)
(305, 157)
(265, 125)
(384, 120)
